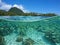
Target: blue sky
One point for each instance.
(40, 6)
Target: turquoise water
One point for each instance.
(23, 18)
(39, 31)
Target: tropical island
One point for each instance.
(14, 11)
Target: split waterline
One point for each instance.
(23, 18)
(28, 33)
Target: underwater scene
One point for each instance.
(29, 30)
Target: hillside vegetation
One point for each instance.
(18, 12)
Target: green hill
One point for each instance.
(2, 12)
(16, 10)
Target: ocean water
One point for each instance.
(23, 18)
(29, 30)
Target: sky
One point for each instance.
(39, 6)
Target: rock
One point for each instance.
(28, 41)
(2, 41)
(19, 39)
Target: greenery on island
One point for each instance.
(18, 12)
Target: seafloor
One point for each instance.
(40, 32)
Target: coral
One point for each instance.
(53, 38)
(5, 28)
(21, 31)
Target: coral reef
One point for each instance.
(49, 27)
(48, 38)
(5, 28)
(55, 36)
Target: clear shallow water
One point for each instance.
(38, 32)
(23, 18)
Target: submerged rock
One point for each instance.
(19, 39)
(28, 41)
(2, 40)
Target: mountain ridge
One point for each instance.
(15, 9)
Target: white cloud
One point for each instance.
(0, 0)
(18, 6)
(6, 7)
